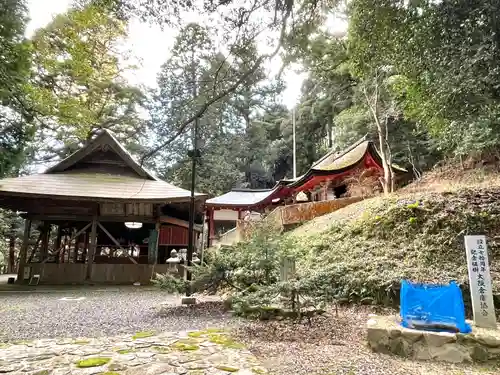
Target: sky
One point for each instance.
(143, 42)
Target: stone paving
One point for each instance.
(208, 352)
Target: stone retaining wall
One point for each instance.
(386, 335)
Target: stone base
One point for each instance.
(188, 300)
(386, 335)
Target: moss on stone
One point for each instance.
(93, 362)
(161, 349)
(227, 368)
(196, 334)
(214, 330)
(184, 347)
(21, 342)
(191, 340)
(224, 340)
(142, 335)
(125, 351)
(81, 342)
(258, 371)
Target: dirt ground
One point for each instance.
(336, 346)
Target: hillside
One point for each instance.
(363, 251)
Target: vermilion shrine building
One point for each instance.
(326, 180)
(99, 217)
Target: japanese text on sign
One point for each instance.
(480, 281)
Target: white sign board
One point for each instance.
(480, 281)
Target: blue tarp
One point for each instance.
(433, 307)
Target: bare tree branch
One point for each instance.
(224, 93)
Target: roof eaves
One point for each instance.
(89, 148)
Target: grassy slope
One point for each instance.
(364, 250)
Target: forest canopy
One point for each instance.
(424, 73)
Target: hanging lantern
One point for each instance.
(133, 225)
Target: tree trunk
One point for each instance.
(385, 156)
(387, 183)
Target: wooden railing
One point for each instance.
(284, 216)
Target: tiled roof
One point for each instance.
(93, 186)
(241, 198)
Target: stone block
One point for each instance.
(421, 351)
(400, 347)
(479, 353)
(412, 335)
(395, 332)
(188, 300)
(451, 352)
(489, 340)
(434, 339)
(385, 335)
(377, 336)
(494, 354)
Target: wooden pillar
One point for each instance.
(58, 237)
(85, 246)
(12, 251)
(78, 242)
(211, 227)
(45, 241)
(153, 244)
(24, 251)
(92, 248)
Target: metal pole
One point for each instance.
(294, 146)
(192, 209)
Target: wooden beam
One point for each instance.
(24, 251)
(76, 234)
(35, 247)
(92, 248)
(115, 241)
(179, 222)
(87, 218)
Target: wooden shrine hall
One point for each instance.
(326, 180)
(98, 217)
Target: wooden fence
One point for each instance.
(284, 216)
(74, 273)
(301, 212)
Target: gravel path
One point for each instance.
(336, 346)
(96, 313)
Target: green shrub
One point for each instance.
(170, 283)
